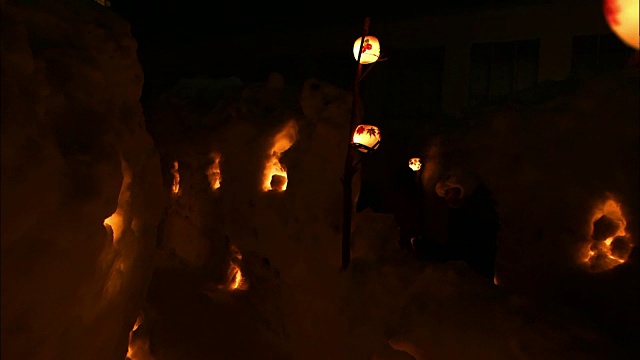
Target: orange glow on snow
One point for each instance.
(115, 222)
(236, 280)
(610, 244)
(175, 187)
(213, 172)
(275, 174)
(138, 348)
(234, 275)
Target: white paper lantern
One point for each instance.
(415, 164)
(370, 49)
(622, 17)
(366, 138)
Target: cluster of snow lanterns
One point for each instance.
(275, 173)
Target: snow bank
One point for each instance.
(74, 152)
(298, 304)
(551, 166)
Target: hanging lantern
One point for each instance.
(622, 17)
(415, 164)
(370, 49)
(366, 138)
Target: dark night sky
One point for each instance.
(198, 20)
(187, 38)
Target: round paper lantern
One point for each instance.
(415, 164)
(366, 138)
(622, 17)
(370, 49)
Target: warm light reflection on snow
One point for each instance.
(116, 263)
(610, 244)
(213, 172)
(235, 280)
(175, 187)
(115, 222)
(275, 174)
(138, 348)
(115, 279)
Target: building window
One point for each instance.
(500, 70)
(591, 54)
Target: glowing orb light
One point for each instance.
(415, 164)
(622, 17)
(370, 49)
(366, 138)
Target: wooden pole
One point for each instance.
(349, 169)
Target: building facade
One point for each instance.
(491, 54)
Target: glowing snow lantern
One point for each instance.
(275, 174)
(610, 243)
(213, 172)
(370, 49)
(366, 138)
(235, 280)
(622, 17)
(175, 187)
(415, 164)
